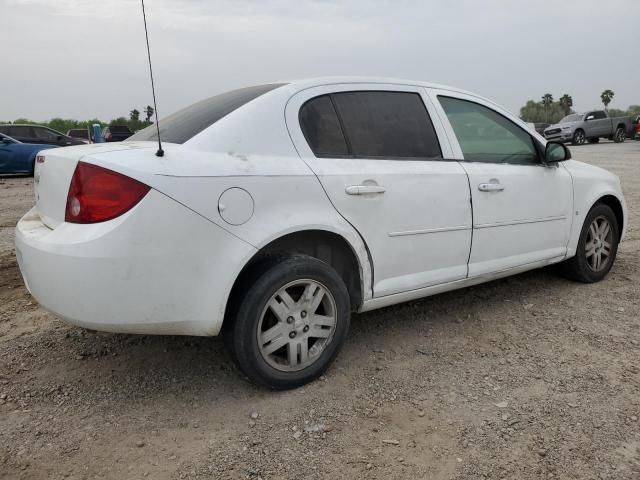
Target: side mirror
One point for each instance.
(556, 152)
(6, 141)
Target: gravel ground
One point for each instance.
(524, 378)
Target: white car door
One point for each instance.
(522, 209)
(380, 158)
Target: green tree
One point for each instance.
(606, 97)
(633, 110)
(134, 115)
(566, 102)
(616, 112)
(536, 112)
(119, 121)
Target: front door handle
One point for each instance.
(490, 187)
(364, 189)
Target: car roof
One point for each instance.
(319, 81)
(24, 125)
(304, 83)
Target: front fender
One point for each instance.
(590, 184)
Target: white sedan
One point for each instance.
(278, 210)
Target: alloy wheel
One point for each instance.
(296, 325)
(620, 135)
(579, 137)
(598, 244)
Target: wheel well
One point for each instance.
(615, 205)
(323, 245)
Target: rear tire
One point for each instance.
(620, 135)
(598, 240)
(578, 137)
(289, 322)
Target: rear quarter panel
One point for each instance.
(251, 149)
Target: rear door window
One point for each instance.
(44, 134)
(21, 131)
(370, 124)
(387, 125)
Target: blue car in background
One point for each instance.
(17, 157)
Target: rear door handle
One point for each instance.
(364, 189)
(490, 187)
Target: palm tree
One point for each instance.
(566, 102)
(547, 100)
(606, 97)
(148, 113)
(134, 115)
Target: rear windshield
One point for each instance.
(188, 122)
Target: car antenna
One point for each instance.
(160, 152)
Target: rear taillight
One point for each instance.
(97, 194)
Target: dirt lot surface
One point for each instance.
(528, 377)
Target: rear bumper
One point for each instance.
(158, 269)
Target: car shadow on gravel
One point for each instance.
(106, 368)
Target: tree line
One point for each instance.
(135, 121)
(547, 110)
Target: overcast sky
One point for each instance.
(86, 58)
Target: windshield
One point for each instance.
(79, 133)
(188, 122)
(4, 137)
(576, 117)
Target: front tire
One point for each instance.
(620, 135)
(597, 247)
(290, 323)
(578, 137)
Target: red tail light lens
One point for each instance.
(97, 194)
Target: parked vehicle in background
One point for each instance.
(279, 209)
(540, 127)
(38, 134)
(116, 133)
(636, 124)
(579, 128)
(80, 134)
(17, 157)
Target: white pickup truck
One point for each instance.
(579, 128)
